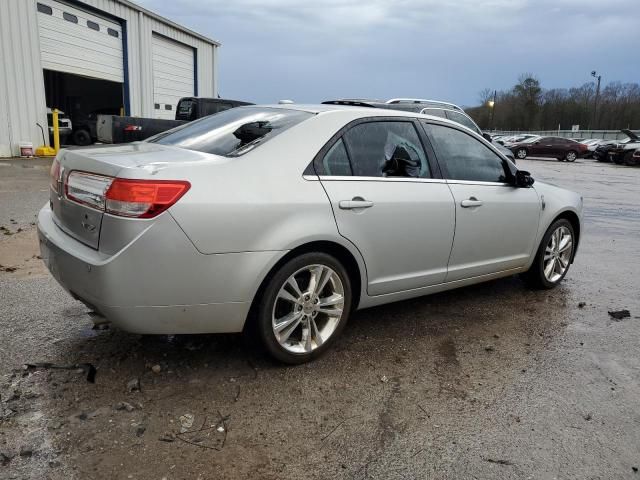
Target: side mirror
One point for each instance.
(524, 179)
(487, 137)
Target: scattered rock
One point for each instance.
(54, 463)
(489, 348)
(582, 304)
(619, 314)
(156, 369)
(186, 422)
(499, 461)
(124, 406)
(635, 469)
(26, 451)
(495, 335)
(8, 269)
(140, 430)
(587, 417)
(167, 437)
(5, 458)
(133, 385)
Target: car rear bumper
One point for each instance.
(159, 283)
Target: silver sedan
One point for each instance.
(287, 218)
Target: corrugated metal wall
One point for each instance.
(22, 99)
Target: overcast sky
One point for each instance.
(310, 51)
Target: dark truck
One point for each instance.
(117, 129)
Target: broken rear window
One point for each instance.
(233, 132)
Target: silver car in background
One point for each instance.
(289, 217)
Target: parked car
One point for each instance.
(554, 147)
(622, 153)
(436, 108)
(292, 217)
(64, 126)
(601, 153)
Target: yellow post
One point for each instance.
(56, 131)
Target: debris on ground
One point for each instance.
(133, 385)
(186, 422)
(167, 437)
(87, 368)
(156, 369)
(498, 461)
(8, 269)
(582, 304)
(5, 458)
(489, 348)
(26, 451)
(619, 314)
(124, 406)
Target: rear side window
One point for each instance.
(464, 157)
(233, 132)
(336, 160)
(386, 149)
(462, 120)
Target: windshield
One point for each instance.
(233, 132)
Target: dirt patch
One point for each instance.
(20, 254)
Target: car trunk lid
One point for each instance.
(98, 167)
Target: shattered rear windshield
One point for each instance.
(233, 132)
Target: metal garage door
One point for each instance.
(78, 42)
(173, 75)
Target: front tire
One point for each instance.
(553, 257)
(521, 153)
(304, 307)
(571, 156)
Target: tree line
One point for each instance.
(528, 106)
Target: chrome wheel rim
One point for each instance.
(308, 309)
(571, 156)
(557, 254)
(522, 154)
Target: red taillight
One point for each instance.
(143, 198)
(133, 128)
(54, 173)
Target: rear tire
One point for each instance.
(81, 138)
(521, 153)
(304, 307)
(571, 156)
(553, 257)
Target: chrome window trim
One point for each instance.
(477, 182)
(337, 178)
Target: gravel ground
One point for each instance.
(491, 381)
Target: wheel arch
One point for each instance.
(355, 269)
(574, 220)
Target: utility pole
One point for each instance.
(594, 74)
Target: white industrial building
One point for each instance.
(100, 56)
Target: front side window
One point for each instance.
(465, 157)
(386, 149)
(233, 132)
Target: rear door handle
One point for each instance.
(357, 202)
(471, 202)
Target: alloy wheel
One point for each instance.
(557, 254)
(571, 157)
(308, 308)
(521, 154)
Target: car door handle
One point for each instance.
(471, 202)
(355, 203)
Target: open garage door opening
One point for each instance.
(83, 62)
(82, 99)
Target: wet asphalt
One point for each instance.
(490, 381)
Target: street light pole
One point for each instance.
(595, 105)
(492, 104)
